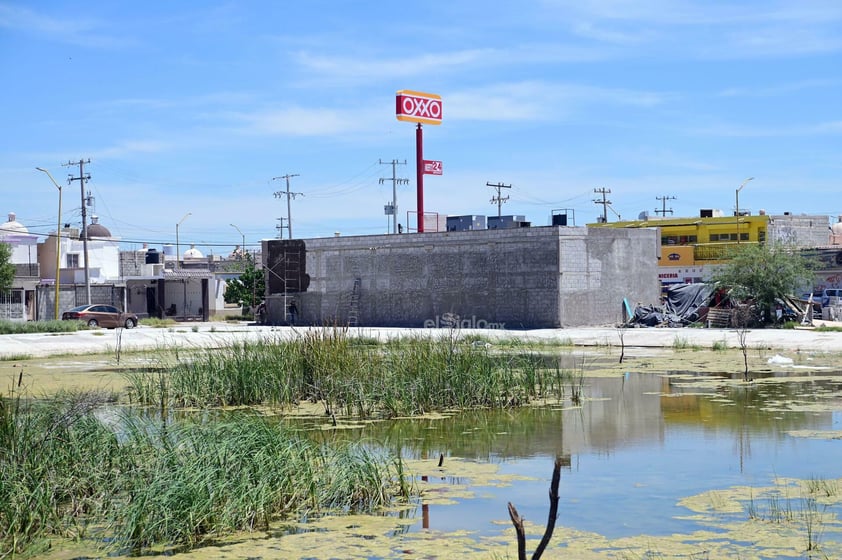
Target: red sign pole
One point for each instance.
(419, 107)
(419, 173)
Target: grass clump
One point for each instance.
(71, 466)
(28, 327)
(683, 343)
(56, 469)
(399, 378)
(212, 479)
(157, 323)
(15, 357)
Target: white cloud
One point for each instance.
(131, 147)
(780, 89)
(747, 131)
(604, 34)
(364, 69)
(706, 29)
(85, 32)
(830, 127)
(302, 121)
(543, 101)
(700, 13)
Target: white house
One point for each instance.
(19, 303)
(103, 253)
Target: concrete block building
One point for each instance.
(512, 278)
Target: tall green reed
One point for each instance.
(57, 463)
(409, 377)
(70, 466)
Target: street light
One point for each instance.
(737, 194)
(58, 240)
(177, 250)
(243, 246)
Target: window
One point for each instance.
(72, 260)
(12, 297)
(678, 239)
(727, 237)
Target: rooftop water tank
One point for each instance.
(153, 256)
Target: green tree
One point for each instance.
(764, 272)
(7, 269)
(249, 288)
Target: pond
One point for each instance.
(670, 455)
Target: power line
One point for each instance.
(663, 211)
(290, 196)
(395, 182)
(352, 184)
(605, 202)
(83, 178)
(498, 199)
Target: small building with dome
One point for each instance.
(19, 303)
(103, 256)
(97, 230)
(192, 255)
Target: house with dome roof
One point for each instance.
(103, 269)
(19, 303)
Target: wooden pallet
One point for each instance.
(719, 318)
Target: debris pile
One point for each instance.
(702, 304)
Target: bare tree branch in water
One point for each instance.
(517, 520)
(622, 334)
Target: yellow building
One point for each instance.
(692, 248)
(702, 240)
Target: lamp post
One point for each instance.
(737, 195)
(58, 241)
(243, 246)
(177, 250)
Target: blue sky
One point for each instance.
(196, 106)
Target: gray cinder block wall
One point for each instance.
(800, 231)
(532, 277)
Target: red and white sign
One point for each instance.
(415, 106)
(432, 167)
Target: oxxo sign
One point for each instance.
(415, 106)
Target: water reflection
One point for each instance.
(626, 411)
(639, 443)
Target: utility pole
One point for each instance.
(663, 211)
(83, 178)
(605, 202)
(395, 181)
(280, 227)
(498, 200)
(290, 196)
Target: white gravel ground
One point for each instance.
(217, 334)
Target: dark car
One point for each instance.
(99, 315)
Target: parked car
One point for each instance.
(830, 293)
(99, 315)
(822, 297)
